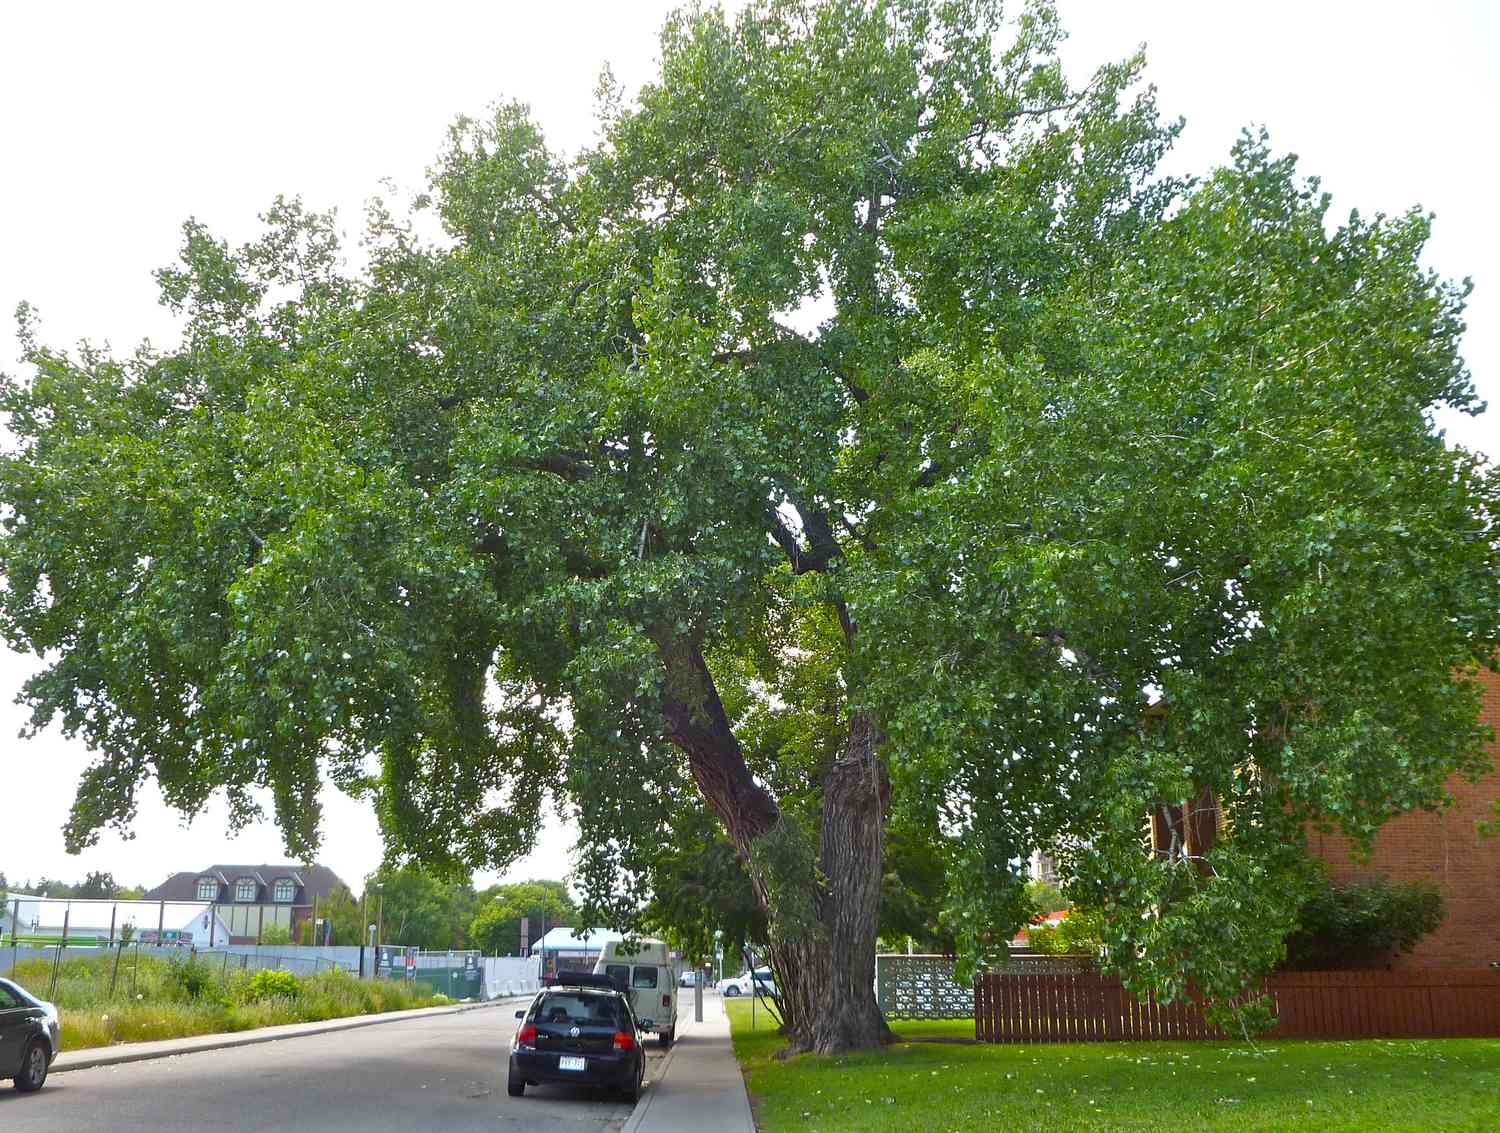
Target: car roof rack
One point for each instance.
(585, 979)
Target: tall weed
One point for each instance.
(160, 999)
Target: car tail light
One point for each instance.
(666, 1001)
(527, 1034)
(624, 1041)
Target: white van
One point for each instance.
(644, 972)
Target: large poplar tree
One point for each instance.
(1090, 493)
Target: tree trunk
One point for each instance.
(825, 963)
(830, 975)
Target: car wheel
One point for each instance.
(731, 991)
(515, 1085)
(33, 1070)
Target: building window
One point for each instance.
(208, 889)
(286, 889)
(244, 889)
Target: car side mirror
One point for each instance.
(521, 1014)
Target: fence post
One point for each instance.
(114, 975)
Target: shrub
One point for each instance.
(191, 978)
(276, 934)
(1362, 924)
(1078, 934)
(268, 983)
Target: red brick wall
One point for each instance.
(1446, 849)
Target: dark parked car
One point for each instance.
(29, 1036)
(580, 1031)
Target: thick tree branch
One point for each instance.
(822, 547)
(698, 724)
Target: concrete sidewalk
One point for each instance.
(167, 1048)
(699, 1088)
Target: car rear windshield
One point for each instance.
(644, 977)
(584, 1010)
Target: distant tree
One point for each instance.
(98, 885)
(131, 893)
(496, 924)
(342, 908)
(421, 908)
(1045, 897)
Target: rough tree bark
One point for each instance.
(831, 973)
(825, 963)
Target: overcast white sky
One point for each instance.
(118, 121)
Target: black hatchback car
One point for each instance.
(29, 1034)
(579, 1031)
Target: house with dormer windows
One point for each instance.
(248, 899)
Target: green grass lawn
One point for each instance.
(917, 1085)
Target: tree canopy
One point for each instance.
(415, 906)
(1090, 493)
(496, 926)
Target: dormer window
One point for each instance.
(208, 889)
(244, 889)
(285, 890)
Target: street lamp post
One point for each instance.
(379, 888)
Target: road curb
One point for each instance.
(648, 1095)
(90, 1058)
(637, 1116)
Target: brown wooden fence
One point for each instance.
(1086, 1007)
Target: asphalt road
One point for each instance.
(445, 1072)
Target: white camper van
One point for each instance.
(644, 972)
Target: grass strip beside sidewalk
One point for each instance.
(914, 1086)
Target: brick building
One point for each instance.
(1445, 848)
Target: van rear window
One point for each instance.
(620, 973)
(644, 977)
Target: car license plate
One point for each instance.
(569, 1062)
